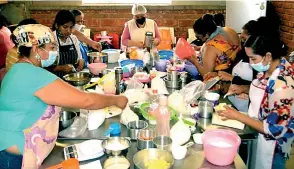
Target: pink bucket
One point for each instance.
(220, 146)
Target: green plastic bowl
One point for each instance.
(144, 111)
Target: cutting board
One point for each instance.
(216, 120)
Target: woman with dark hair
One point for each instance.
(70, 57)
(79, 26)
(31, 99)
(220, 46)
(219, 19)
(271, 111)
(5, 44)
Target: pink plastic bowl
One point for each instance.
(220, 146)
(96, 68)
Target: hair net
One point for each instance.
(33, 34)
(138, 9)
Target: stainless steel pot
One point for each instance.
(134, 127)
(205, 109)
(94, 57)
(145, 139)
(163, 142)
(66, 119)
(173, 76)
(78, 79)
(172, 84)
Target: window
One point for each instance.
(127, 1)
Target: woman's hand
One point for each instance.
(224, 76)
(140, 44)
(236, 89)
(81, 65)
(96, 45)
(229, 113)
(209, 75)
(68, 68)
(196, 48)
(121, 102)
(155, 41)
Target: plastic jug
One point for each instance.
(183, 49)
(71, 163)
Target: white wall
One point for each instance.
(239, 12)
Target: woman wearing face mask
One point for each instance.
(135, 29)
(31, 97)
(219, 49)
(69, 53)
(79, 26)
(271, 111)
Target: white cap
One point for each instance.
(138, 9)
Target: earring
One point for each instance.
(38, 57)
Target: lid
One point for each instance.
(149, 33)
(163, 100)
(118, 70)
(210, 83)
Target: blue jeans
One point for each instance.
(10, 161)
(279, 161)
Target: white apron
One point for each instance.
(265, 148)
(138, 34)
(244, 71)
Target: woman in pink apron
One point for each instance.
(31, 97)
(135, 29)
(271, 111)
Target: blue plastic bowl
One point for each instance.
(191, 69)
(165, 54)
(138, 63)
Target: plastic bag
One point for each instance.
(136, 95)
(133, 83)
(177, 102)
(78, 127)
(192, 91)
(180, 133)
(127, 116)
(106, 79)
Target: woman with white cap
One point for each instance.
(135, 29)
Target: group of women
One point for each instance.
(250, 69)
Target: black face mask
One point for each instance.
(141, 21)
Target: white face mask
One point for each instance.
(260, 67)
(79, 27)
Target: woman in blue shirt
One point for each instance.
(31, 97)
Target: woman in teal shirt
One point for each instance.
(31, 97)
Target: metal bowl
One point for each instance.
(146, 155)
(118, 162)
(173, 76)
(145, 139)
(134, 127)
(163, 142)
(78, 79)
(116, 145)
(66, 119)
(95, 57)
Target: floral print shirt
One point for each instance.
(277, 110)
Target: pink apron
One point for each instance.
(40, 138)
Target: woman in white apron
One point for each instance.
(135, 29)
(31, 98)
(271, 111)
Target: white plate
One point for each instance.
(197, 138)
(91, 147)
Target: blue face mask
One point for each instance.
(51, 59)
(260, 67)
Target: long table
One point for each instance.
(194, 159)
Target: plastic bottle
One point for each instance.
(162, 115)
(153, 73)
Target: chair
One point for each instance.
(167, 38)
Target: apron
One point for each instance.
(265, 148)
(138, 34)
(40, 138)
(244, 71)
(67, 55)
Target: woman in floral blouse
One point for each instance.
(271, 111)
